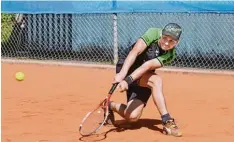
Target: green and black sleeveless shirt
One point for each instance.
(151, 37)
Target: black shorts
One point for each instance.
(135, 91)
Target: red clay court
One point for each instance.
(50, 103)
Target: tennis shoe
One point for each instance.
(170, 128)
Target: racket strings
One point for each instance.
(93, 121)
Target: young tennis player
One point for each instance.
(135, 72)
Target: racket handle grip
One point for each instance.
(113, 88)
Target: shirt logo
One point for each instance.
(156, 52)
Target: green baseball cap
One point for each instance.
(173, 30)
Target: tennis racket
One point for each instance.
(94, 120)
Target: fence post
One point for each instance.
(115, 32)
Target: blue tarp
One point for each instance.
(116, 6)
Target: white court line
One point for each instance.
(103, 66)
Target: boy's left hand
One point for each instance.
(123, 86)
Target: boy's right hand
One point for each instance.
(118, 78)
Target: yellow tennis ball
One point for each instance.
(19, 76)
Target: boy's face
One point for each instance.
(167, 42)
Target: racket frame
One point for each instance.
(104, 104)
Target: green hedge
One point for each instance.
(7, 26)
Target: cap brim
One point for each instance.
(171, 35)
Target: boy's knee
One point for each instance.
(156, 81)
(133, 117)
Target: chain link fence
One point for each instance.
(206, 42)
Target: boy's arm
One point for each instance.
(138, 48)
(145, 40)
(149, 65)
(154, 64)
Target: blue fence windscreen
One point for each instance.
(116, 6)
